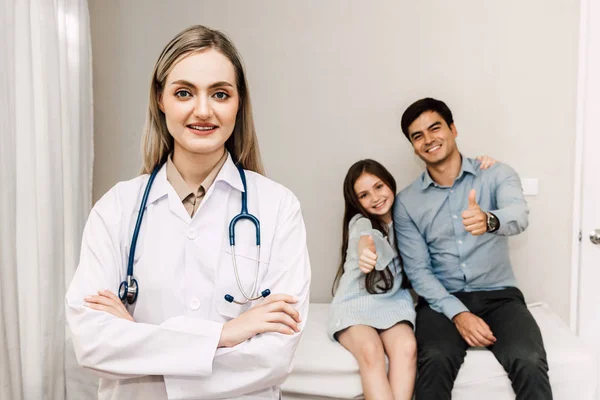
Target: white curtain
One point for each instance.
(46, 158)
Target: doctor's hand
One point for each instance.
(109, 302)
(474, 330)
(474, 220)
(275, 314)
(367, 255)
(486, 162)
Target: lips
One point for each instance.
(202, 128)
(379, 205)
(433, 149)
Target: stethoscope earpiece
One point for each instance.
(229, 298)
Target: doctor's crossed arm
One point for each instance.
(108, 302)
(274, 314)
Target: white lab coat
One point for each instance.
(183, 266)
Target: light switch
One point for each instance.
(531, 186)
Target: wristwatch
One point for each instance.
(492, 222)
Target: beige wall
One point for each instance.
(330, 79)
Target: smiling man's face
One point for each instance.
(432, 139)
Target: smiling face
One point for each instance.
(374, 196)
(432, 139)
(200, 102)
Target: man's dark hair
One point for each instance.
(419, 107)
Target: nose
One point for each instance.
(203, 109)
(429, 138)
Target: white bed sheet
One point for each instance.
(325, 370)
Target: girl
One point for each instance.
(372, 313)
(190, 328)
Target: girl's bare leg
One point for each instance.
(401, 348)
(366, 345)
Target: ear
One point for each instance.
(160, 102)
(453, 129)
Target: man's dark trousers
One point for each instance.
(519, 346)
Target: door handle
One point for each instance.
(595, 236)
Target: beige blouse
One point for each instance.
(191, 201)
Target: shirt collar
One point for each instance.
(160, 186)
(426, 180)
(176, 180)
(230, 174)
(227, 172)
(181, 188)
(466, 166)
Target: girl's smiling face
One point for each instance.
(374, 196)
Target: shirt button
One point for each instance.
(451, 191)
(463, 265)
(192, 234)
(195, 304)
(460, 242)
(455, 216)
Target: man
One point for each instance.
(452, 226)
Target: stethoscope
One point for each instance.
(129, 288)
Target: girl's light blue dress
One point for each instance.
(352, 304)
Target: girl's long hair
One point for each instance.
(375, 281)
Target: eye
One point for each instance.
(379, 186)
(183, 94)
(416, 137)
(362, 196)
(435, 128)
(221, 96)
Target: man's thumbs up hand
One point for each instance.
(474, 220)
(473, 199)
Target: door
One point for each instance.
(586, 318)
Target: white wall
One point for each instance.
(329, 81)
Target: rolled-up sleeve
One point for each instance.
(512, 211)
(417, 264)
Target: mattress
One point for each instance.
(325, 370)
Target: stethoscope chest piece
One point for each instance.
(128, 290)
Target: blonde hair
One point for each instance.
(157, 142)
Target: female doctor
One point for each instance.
(195, 318)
